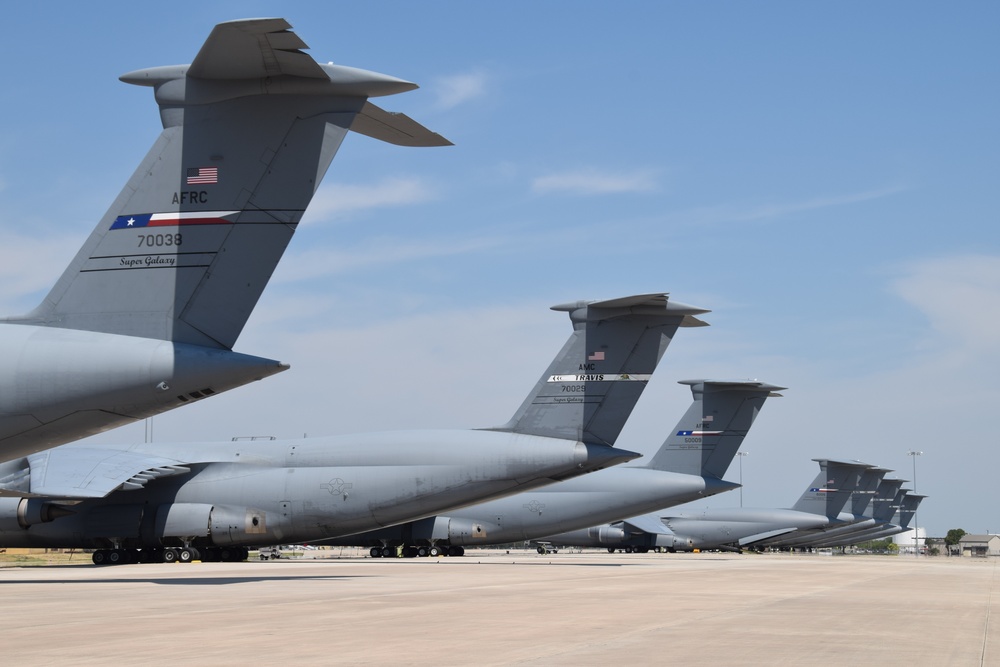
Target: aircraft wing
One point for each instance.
(254, 49)
(82, 472)
(646, 524)
(752, 539)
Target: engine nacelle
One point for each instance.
(675, 542)
(608, 534)
(222, 525)
(20, 513)
(244, 526)
(468, 532)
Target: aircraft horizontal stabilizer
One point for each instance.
(254, 49)
(394, 128)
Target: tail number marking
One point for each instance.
(159, 240)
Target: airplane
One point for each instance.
(144, 318)
(690, 464)
(723, 528)
(172, 502)
(860, 497)
(864, 513)
(904, 507)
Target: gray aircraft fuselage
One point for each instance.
(602, 496)
(276, 492)
(58, 385)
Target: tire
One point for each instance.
(170, 555)
(375, 552)
(434, 552)
(100, 557)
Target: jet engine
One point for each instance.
(20, 513)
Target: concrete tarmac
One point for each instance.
(492, 608)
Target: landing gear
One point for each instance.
(169, 555)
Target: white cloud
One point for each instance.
(960, 296)
(749, 212)
(459, 88)
(323, 262)
(30, 265)
(593, 182)
(336, 200)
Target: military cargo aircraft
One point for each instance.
(145, 317)
(689, 465)
(213, 500)
(724, 528)
(878, 512)
(860, 496)
(904, 506)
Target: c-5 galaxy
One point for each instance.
(894, 518)
(724, 528)
(877, 512)
(145, 317)
(860, 497)
(213, 500)
(689, 465)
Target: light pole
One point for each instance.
(916, 530)
(741, 455)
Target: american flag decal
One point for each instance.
(202, 175)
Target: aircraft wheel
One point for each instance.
(434, 552)
(387, 552)
(170, 555)
(422, 552)
(611, 550)
(115, 557)
(100, 557)
(375, 552)
(456, 551)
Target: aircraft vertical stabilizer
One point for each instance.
(250, 128)
(832, 487)
(591, 387)
(710, 433)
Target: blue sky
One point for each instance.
(823, 176)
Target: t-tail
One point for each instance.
(884, 505)
(250, 127)
(863, 498)
(707, 437)
(833, 486)
(591, 387)
(145, 317)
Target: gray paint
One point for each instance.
(144, 318)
